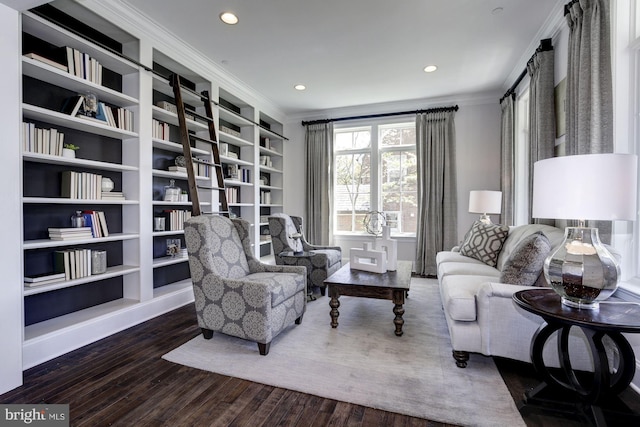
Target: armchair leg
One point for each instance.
(263, 348)
(461, 358)
(207, 333)
(323, 290)
(299, 319)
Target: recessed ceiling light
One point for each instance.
(299, 87)
(229, 18)
(430, 68)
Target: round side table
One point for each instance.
(606, 381)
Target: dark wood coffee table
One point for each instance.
(392, 285)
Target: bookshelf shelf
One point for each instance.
(114, 271)
(232, 139)
(175, 147)
(59, 119)
(176, 175)
(41, 71)
(236, 183)
(164, 261)
(268, 152)
(66, 201)
(167, 233)
(172, 118)
(48, 243)
(234, 118)
(59, 160)
(235, 161)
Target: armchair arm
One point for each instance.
(308, 247)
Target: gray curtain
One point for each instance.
(319, 184)
(437, 196)
(589, 85)
(507, 161)
(542, 117)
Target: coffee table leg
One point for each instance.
(334, 303)
(398, 310)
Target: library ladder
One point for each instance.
(186, 138)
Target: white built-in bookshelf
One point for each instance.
(141, 280)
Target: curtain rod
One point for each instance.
(545, 45)
(375, 116)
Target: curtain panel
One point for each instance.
(319, 183)
(507, 160)
(542, 117)
(589, 85)
(437, 227)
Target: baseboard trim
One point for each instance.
(49, 346)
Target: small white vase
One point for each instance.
(67, 152)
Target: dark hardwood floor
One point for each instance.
(122, 380)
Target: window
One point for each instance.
(375, 170)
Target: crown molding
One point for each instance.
(549, 30)
(141, 26)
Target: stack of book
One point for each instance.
(96, 221)
(43, 279)
(233, 194)
(174, 168)
(113, 195)
(176, 218)
(160, 130)
(41, 141)
(81, 185)
(74, 263)
(70, 233)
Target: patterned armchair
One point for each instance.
(321, 262)
(234, 292)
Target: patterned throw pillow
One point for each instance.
(524, 265)
(485, 242)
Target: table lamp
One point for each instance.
(485, 202)
(584, 187)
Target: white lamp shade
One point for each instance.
(485, 201)
(586, 187)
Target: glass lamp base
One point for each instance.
(582, 271)
(594, 305)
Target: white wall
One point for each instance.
(477, 153)
(10, 226)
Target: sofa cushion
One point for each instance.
(459, 296)
(484, 242)
(467, 269)
(524, 265)
(448, 256)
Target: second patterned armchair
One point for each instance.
(291, 248)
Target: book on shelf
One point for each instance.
(70, 233)
(72, 105)
(43, 277)
(83, 66)
(113, 195)
(47, 61)
(41, 141)
(81, 185)
(174, 168)
(73, 263)
(98, 223)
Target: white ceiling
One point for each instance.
(355, 52)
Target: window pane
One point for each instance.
(399, 134)
(399, 190)
(352, 196)
(352, 139)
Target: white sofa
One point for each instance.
(481, 315)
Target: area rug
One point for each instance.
(362, 361)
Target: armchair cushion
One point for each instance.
(281, 286)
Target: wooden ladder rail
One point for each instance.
(186, 138)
